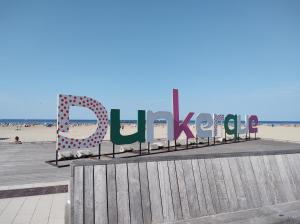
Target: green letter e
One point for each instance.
(226, 125)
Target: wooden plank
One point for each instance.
(78, 195)
(220, 184)
(3, 204)
(182, 190)
(57, 213)
(199, 188)
(191, 188)
(232, 199)
(88, 195)
(291, 176)
(285, 176)
(278, 180)
(165, 189)
(273, 190)
(145, 193)
(122, 194)
(261, 178)
(175, 190)
(249, 181)
(112, 194)
(155, 197)
(43, 208)
(100, 194)
(206, 188)
(294, 162)
(238, 185)
(213, 186)
(136, 212)
(11, 210)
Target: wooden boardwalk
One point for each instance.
(168, 189)
(25, 164)
(45, 209)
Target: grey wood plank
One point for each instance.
(212, 186)
(100, 194)
(273, 190)
(261, 178)
(285, 178)
(175, 190)
(27, 209)
(191, 188)
(199, 188)
(43, 209)
(220, 184)
(249, 181)
(88, 195)
(278, 180)
(294, 160)
(165, 189)
(206, 188)
(3, 204)
(291, 169)
(238, 185)
(112, 194)
(145, 193)
(155, 197)
(12, 210)
(182, 190)
(122, 194)
(136, 212)
(232, 198)
(78, 195)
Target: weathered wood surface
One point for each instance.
(167, 191)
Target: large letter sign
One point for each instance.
(253, 122)
(151, 117)
(115, 134)
(178, 128)
(64, 103)
(206, 131)
(228, 130)
(206, 124)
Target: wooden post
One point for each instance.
(140, 148)
(56, 159)
(187, 143)
(113, 150)
(99, 151)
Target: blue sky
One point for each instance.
(223, 56)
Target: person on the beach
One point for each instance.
(17, 140)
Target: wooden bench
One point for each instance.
(171, 189)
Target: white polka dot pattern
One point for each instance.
(64, 103)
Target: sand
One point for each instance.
(41, 133)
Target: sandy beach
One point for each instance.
(40, 133)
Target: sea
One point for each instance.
(50, 122)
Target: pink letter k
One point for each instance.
(178, 128)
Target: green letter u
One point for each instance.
(115, 125)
